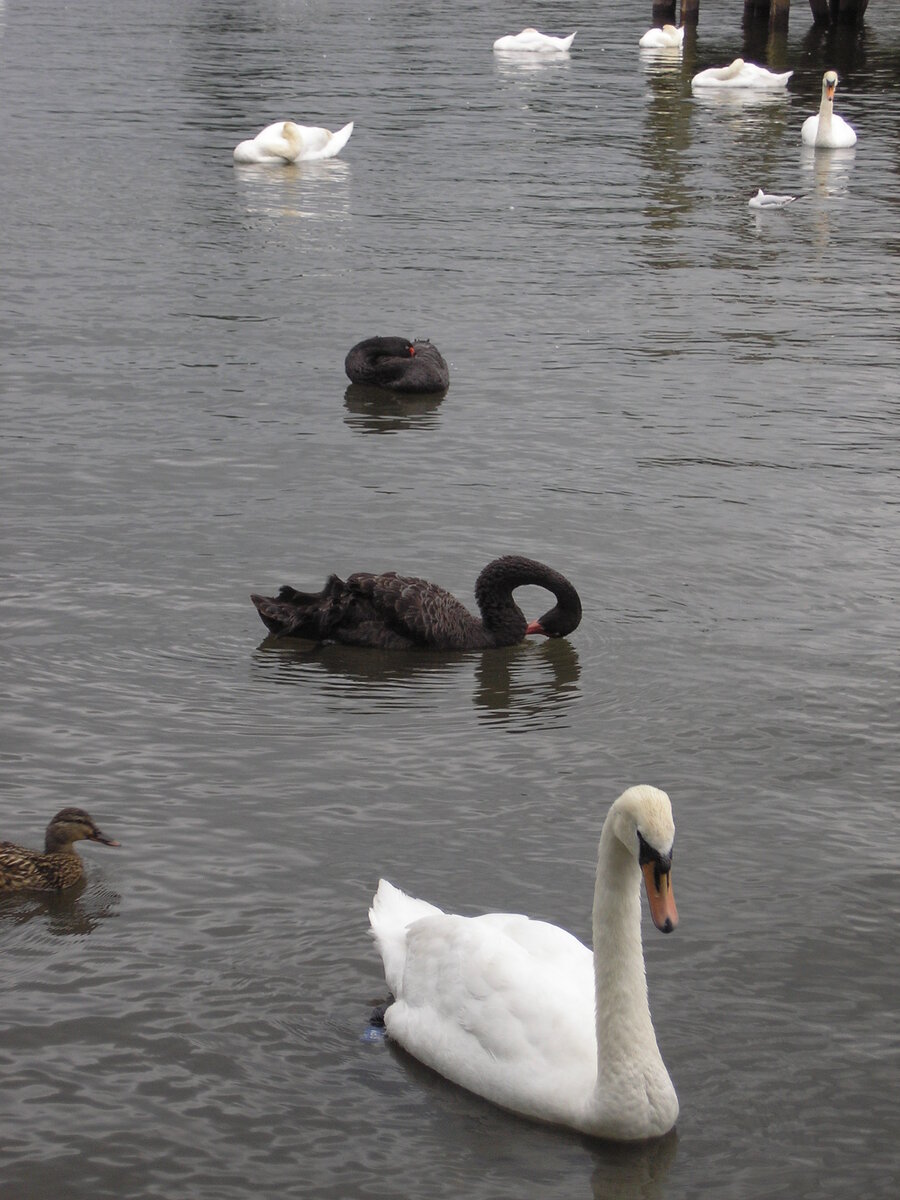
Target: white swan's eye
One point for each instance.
(647, 854)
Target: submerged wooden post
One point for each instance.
(663, 12)
(690, 12)
(838, 12)
(779, 15)
(850, 12)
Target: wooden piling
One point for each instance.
(690, 12)
(824, 12)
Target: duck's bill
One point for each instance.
(104, 840)
(660, 896)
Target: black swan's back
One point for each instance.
(394, 612)
(398, 364)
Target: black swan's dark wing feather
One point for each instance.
(418, 611)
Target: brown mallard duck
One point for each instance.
(59, 866)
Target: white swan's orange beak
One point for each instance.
(660, 896)
(829, 91)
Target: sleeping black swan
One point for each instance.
(396, 612)
(395, 363)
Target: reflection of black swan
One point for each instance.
(395, 363)
(395, 612)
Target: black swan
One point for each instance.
(396, 612)
(395, 363)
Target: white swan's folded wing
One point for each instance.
(503, 1006)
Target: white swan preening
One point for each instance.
(740, 74)
(522, 1013)
(826, 128)
(670, 37)
(769, 200)
(530, 41)
(288, 142)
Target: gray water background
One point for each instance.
(690, 409)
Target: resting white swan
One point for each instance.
(532, 42)
(668, 37)
(740, 74)
(522, 1013)
(288, 142)
(826, 128)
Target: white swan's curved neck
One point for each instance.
(826, 109)
(624, 1026)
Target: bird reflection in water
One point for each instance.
(525, 680)
(376, 410)
(78, 910)
(632, 1170)
(618, 1170)
(510, 684)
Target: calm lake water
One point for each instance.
(689, 408)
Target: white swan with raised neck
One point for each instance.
(825, 129)
(522, 1013)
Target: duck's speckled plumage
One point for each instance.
(397, 612)
(58, 866)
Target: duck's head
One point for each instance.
(642, 821)
(73, 825)
(829, 83)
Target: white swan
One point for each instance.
(740, 74)
(769, 200)
(532, 42)
(669, 37)
(288, 142)
(522, 1013)
(826, 128)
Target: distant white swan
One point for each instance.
(532, 42)
(740, 74)
(769, 200)
(826, 128)
(288, 142)
(524, 1014)
(669, 37)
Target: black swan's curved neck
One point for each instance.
(503, 620)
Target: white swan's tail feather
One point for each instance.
(391, 913)
(334, 145)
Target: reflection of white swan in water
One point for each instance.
(826, 129)
(522, 1013)
(529, 41)
(669, 37)
(740, 74)
(769, 200)
(288, 142)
